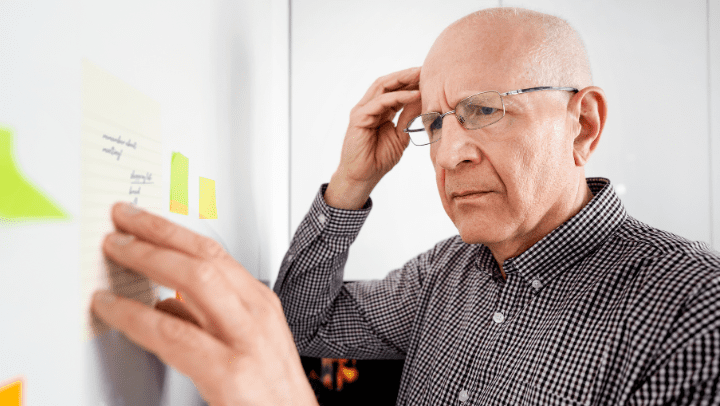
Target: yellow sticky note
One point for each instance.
(179, 168)
(11, 395)
(208, 207)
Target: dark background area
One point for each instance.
(364, 382)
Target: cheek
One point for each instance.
(440, 183)
(543, 164)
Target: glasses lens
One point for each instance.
(480, 110)
(424, 129)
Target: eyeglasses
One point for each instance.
(473, 112)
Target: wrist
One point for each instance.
(342, 193)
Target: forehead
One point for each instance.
(472, 58)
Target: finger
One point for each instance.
(407, 79)
(371, 114)
(409, 111)
(207, 291)
(177, 309)
(178, 343)
(159, 231)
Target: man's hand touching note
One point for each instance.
(373, 145)
(238, 349)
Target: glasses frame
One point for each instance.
(461, 120)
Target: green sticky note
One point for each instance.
(208, 206)
(179, 168)
(19, 198)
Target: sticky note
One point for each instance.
(208, 207)
(179, 183)
(122, 160)
(11, 395)
(19, 198)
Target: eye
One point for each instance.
(436, 124)
(475, 110)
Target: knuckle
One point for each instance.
(160, 229)
(379, 83)
(175, 331)
(273, 300)
(132, 320)
(269, 307)
(205, 274)
(208, 248)
(146, 255)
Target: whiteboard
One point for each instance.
(210, 66)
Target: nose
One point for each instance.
(455, 146)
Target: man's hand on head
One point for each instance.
(373, 145)
(230, 335)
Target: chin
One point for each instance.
(480, 235)
(482, 232)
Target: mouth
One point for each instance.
(468, 195)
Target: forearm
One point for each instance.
(328, 318)
(343, 193)
(311, 275)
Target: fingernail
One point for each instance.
(131, 209)
(121, 238)
(104, 296)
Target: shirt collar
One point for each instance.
(571, 241)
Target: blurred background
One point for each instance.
(257, 95)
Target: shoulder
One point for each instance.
(667, 274)
(663, 242)
(662, 246)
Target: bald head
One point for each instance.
(539, 49)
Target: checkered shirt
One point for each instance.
(604, 310)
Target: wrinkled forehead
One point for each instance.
(471, 58)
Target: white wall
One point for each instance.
(651, 59)
(714, 109)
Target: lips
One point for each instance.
(467, 193)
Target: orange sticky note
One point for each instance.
(11, 395)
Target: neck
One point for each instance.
(561, 212)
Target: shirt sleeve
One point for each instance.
(333, 319)
(689, 373)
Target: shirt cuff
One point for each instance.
(337, 222)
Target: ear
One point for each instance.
(588, 108)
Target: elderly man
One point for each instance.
(551, 294)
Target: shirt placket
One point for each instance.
(507, 304)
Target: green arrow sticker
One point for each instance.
(20, 200)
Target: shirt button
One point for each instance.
(536, 284)
(498, 317)
(322, 219)
(463, 396)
